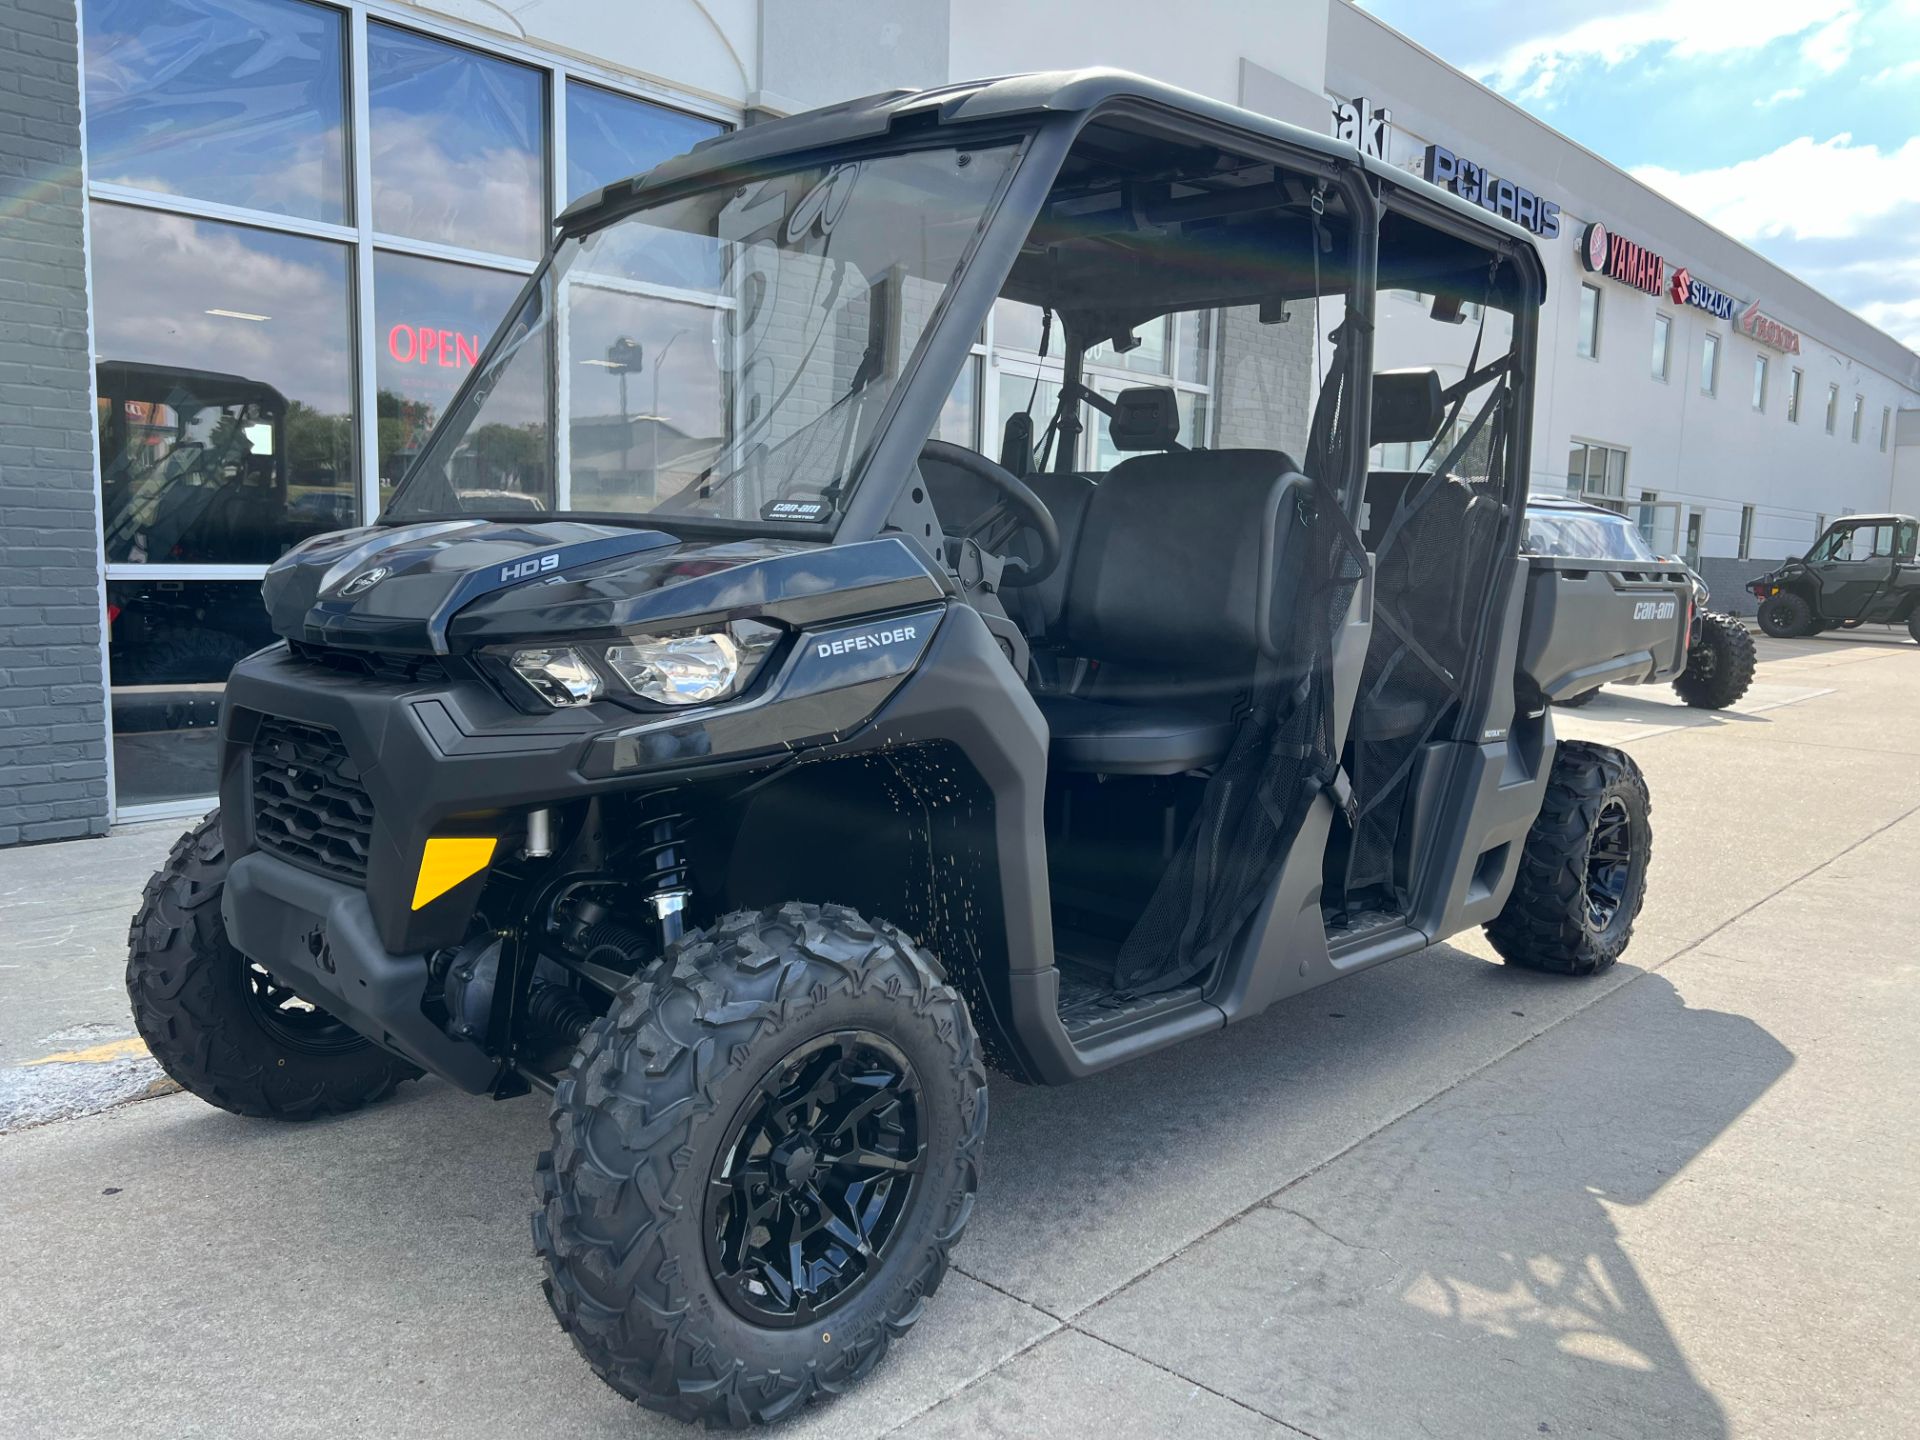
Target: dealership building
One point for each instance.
(251, 248)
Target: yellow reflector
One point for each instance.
(449, 860)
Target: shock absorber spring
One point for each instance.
(662, 866)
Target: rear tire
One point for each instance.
(1583, 872)
(1786, 616)
(1913, 625)
(218, 1024)
(1719, 665)
(696, 1133)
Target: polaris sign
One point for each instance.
(1504, 198)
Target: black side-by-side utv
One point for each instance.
(1861, 571)
(752, 813)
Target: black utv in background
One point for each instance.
(1860, 572)
(1720, 654)
(751, 814)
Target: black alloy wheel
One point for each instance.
(808, 1187)
(295, 1023)
(1609, 862)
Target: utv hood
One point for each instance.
(449, 585)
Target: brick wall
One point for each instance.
(53, 764)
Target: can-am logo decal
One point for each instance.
(1656, 609)
(526, 569)
(365, 580)
(872, 640)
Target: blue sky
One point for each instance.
(1794, 127)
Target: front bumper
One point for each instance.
(318, 936)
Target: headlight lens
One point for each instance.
(693, 669)
(559, 675)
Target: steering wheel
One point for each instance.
(1017, 508)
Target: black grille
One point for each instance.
(376, 664)
(308, 804)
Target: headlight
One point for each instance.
(693, 669)
(559, 675)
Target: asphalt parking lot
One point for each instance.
(1438, 1198)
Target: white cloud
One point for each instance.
(1792, 92)
(1687, 29)
(1831, 46)
(1905, 70)
(1807, 189)
(1899, 318)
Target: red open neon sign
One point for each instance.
(425, 345)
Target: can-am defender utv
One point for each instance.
(789, 768)
(1861, 571)
(1720, 652)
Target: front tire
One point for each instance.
(1913, 625)
(1583, 872)
(219, 1024)
(798, 1076)
(1719, 665)
(1786, 616)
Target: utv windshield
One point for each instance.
(723, 356)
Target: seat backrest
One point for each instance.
(1043, 606)
(1177, 560)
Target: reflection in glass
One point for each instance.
(431, 320)
(225, 388)
(236, 101)
(645, 397)
(491, 455)
(610, 137)
(780, 372)
(170, 646)
(458, 145)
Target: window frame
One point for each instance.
(1746, 532)
(1886, 426)
(557, 69)
(1760, 376)
(1833, 408)
(1796, 384)
(1859, 413)
(1585, 334)
(1710, 370)
(1663, 329)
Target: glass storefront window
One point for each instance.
(431, 320)
(610, 137)
(959, 422)
(1195, 346)
(225, 370)
(242, 102)
(170, 646)
(459, 145)
(1016, 326)
(644, 387)
(1149, 357)
(1017, 393)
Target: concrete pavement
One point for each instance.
(1440, 1197)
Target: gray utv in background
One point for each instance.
(749, 789)
(1861, 571)
(1720, 653)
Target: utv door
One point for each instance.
(1853, 564)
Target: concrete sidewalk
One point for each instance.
(1441, 1197)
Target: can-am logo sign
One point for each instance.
(1504, 198)
(1363, 125)
(1768, 331)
